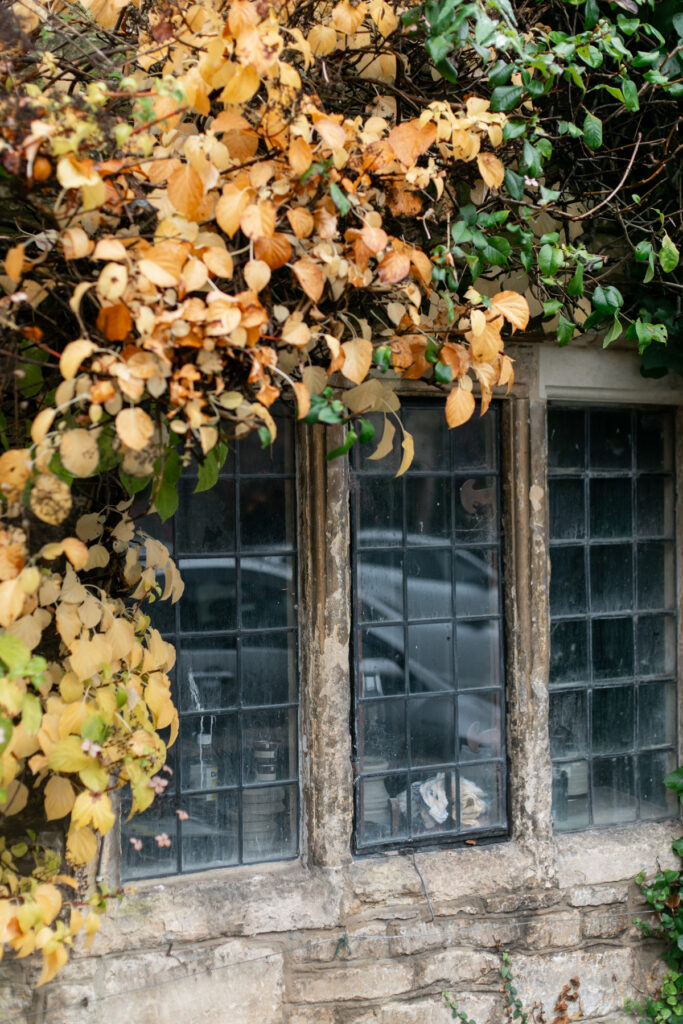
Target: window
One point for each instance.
(613, 702)
(429, 721)
(235, 761)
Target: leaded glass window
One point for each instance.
(235, 682)
(613, 695)
(429, 708)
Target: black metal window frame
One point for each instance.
(637, 680)
(456, 836)
(176, 794)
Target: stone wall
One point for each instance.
(335, 939)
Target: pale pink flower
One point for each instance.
(136, 843)
(162, 840)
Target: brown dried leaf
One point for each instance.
(275, 251)
(459, 406)
(300, 156)
(303, 399)
(50, 499)
(301, 220)
(357, 359)
(310, 277)
(395, 266)
(491, 170)
(513, 306)
(258, 220)
(185, 190)
(115, 322)
(14, 263)
(79, 452)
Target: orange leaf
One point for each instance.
(301, 220)
(394, 267)
(300, 156)
(275, 251)
(76, 244)
(485, 347)
(357, 359)
(459, 406)
(258, 220)
(303, 399)
(115, 322)
(513, 307)
(257, 275)
(310, 277)
(230, 207)
(348, 19)
(330, 132)
(186, 191)
(134, 427)
(322, 40)
(491, 169)
(374, 238)
(14, 263)
(218, 261)
(457, 357)
(242, 86)
(409, 141)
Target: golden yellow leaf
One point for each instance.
(303, 399)
(258, 220)
(42, 424)
(17, 797)
(88, 656)
(383, 17)
(185, 190)
(256, 274)
(163, 263)
(79, 452)
(53, 961)
(347, 18)
(322, 39)
(230, 207)
(218, 261)
(76, 244)
(92, 926)
(478, 322)
(14, 263)
(241, 87)
(50, 499)
(296, 332)
(134, 427)
(408, 445)
(301, 220)
(73, 355)
(386, 444)
(375, 239)
(76, 551)
(49, 898)
(110, 249)
(93, 807)
(491, 170)
(357, 359)
(15, 467)
(409, 141)
(310, 277)
(507, 373)
(513, 306)
(81, 846)
(485, 347)
(300, 155)
(75, 921)
(459, 406)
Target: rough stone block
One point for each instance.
(374, 980)
(453, 966)
(605, 925)
(597, 895)
(558, 930)
(606, 979)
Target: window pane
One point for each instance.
(206, 524)
(269, 823)
(209, 601)
(656, 801)
(207, 668)
(482, 797)
(209, 836)
(567, 511)
(625, 459)
(266, 514)
(269, 746)
(208, 747)
(610, 508)
(568, 724)
(267, 590)
(431, 615)
(268, 668)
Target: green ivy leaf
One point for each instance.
(505, 97)
(575, 286)
(607, 301)
(514, 183)
(349, 441)
(207, 474)
(668, 255)
(592, 131)
(565, 331)
(14, 653)
(551, 308)
(550, 259)
(613, 333)
(6, 728)
(630, 91)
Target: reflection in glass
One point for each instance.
(269, 745)
(656, 645)
(654, 506)
(208, 746)
(655, 441)
(432, 730)
(611, 577)
(379, 818)
(428, 584)
(209, 836)
(380, 658)
(614, 795)
(381, 586)
(476, 509)
(657, 714)
(568, 652)
(267, 590)
(477, 646)
(430, 657)
(568, 724)
(383, 732)
(656, 800)
(567, 580)
(140, 854)
(475, 443)
(269, 823)
(479, 726)
(266, 513)
(381, 511)
(432, 448)
(428, 509)
(612, 648)
(208, 673)
(205, 523)
(656, 584)
(268, 668)
(567, 513)
(610, 508)
(209, 601)
(566, 439)
(613, 719)
(482, 800)
(611, 441)
(476, 582)
(570, 795)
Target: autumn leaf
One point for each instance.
(134, 427)
(409, 141)
(218, 261)
(408, 446)
(322, 40)
(14, 263)
(185, 190)
(513, 306)
(115, 322)
(73, 355)
(310, 277)
(331, 132)
(50, 499)
(258, 220)
(300, 156)
(241, 87)
(81, 845)
(301, 221)
(347, 18)
(256, 274)
(76, 244)
(79, 452)
(275, 251)
(53, 961)
(230, 207)
(491, 170)
(459, 406)
(303, 399)
(394, 267)
(357, 359)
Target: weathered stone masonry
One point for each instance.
(334, 939)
